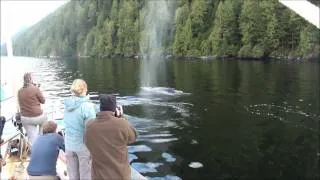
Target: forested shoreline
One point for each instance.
(3, 50)
(213, 28)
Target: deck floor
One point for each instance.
(14, 168)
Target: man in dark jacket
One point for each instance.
(107, 138)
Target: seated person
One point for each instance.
(107, 138)
(44, 153)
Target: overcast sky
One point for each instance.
(307, 10)
(17, 14)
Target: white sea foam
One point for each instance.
(195, 165)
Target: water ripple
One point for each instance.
(167, 177)
(132, 157)
(146, 167)
(139, 148)
(195, 165)
(168, 157)
(284, 112)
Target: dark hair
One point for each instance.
(27, 79)
(108, 102)
(49, 127)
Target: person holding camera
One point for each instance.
(44, 154)
(107, 138)
(78, 111)
(30, 99)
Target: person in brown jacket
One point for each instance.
(30, 99)
(107, 138)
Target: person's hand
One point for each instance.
(61, 133)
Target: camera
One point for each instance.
(61, 132)
(119, 111)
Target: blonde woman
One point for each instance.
(78, 111)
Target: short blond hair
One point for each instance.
(49, 127)
(79, 87)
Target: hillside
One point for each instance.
(3, 49)
(219, 28)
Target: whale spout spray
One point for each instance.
(157, 17)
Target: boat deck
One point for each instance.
(15, 168)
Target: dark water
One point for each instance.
(240, 120)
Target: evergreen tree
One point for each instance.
(251, 23)
(271, 38)
(179, 42)
(197, 15)
(200, 27)
(295, 26)
(109, 29)
(126, 36)
(309, 45)
(253, 28)
(187, 31)
(224, 35)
